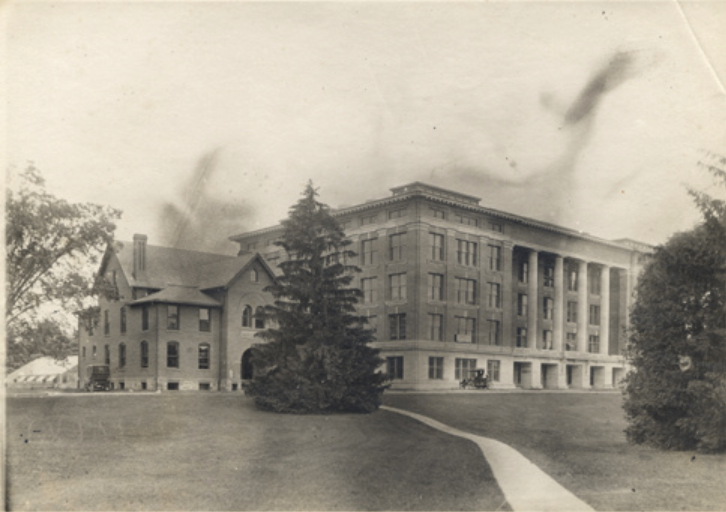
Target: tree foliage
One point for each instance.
(316, 358)
(675, 397)
(50, 246)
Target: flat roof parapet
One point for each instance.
(418, 187)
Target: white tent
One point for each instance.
(44, 372)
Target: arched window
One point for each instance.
(204, 356)
(259, 318)
(254, 276)
(247, 370)
(247, 317)
(172, 354)
(122, 355)
(144, 354)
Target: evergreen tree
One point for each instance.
(675, 397)
(316, 357)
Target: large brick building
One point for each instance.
(448, 286)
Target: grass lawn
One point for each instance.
(215, 451)
(578, 439)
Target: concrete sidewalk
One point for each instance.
(526, 486)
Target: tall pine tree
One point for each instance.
(675, 397)
(316, 358)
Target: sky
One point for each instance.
(202, 120)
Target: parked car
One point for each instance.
(98, 378)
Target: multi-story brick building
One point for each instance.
(177, 320)
(450, 286)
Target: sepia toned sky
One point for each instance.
(203, 120)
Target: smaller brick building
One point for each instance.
(180, 320)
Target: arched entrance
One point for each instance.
(247, 370)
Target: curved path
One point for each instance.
(525, 486)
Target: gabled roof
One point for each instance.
(164, 265)
(219, 274)
(179, 295)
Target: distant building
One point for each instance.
(45, 373)
(450, 286)
(181, 320)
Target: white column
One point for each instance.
(605, 310)
(532, 301)
(559, 312)
(582, 307)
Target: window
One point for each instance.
(493, 370)
(436, 287)
(123, 321)
(205, 320)
(204, 386)
(345, 224)
(522, 304)
(463, 368)
(437, 246)
(438, 214)
(172, 386)
(203, 363)
(547, 340)
(549, 276)
(493, 332)
(572, 312)
(254, 276)
(370, 219)
(495, 257)
(252, 246)
(372, 323)
(465, 291)
(436, 324)
(397, 326)
(145, 318)
(144, 354)
(594, 314)
(247, 316)
(466, 253)
(593, 345)
(397, 214)
(571, 341)
(106, 323)
(521, 337)
(369, 287)
(595, 282)
(83, 353)
(172, 354)
(465, 329)
(394, 367)
(572, 280)
(495, 295)
(496, 227)
(436, 368)
(396, 246)
(549, 308)
(172, 317)
(260, 317)
(397, 288)
(107, 355)
(122, 355)
(523, 272)
(94, 351)
(368, 252)
(467, 221)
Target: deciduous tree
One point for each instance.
(316, 358)
(675, 397)
(51, 248)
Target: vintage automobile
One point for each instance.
(98, 375)
(478, 381)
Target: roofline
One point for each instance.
(632, 245)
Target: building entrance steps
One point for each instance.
(525, 486)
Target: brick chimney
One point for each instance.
(139, 256)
